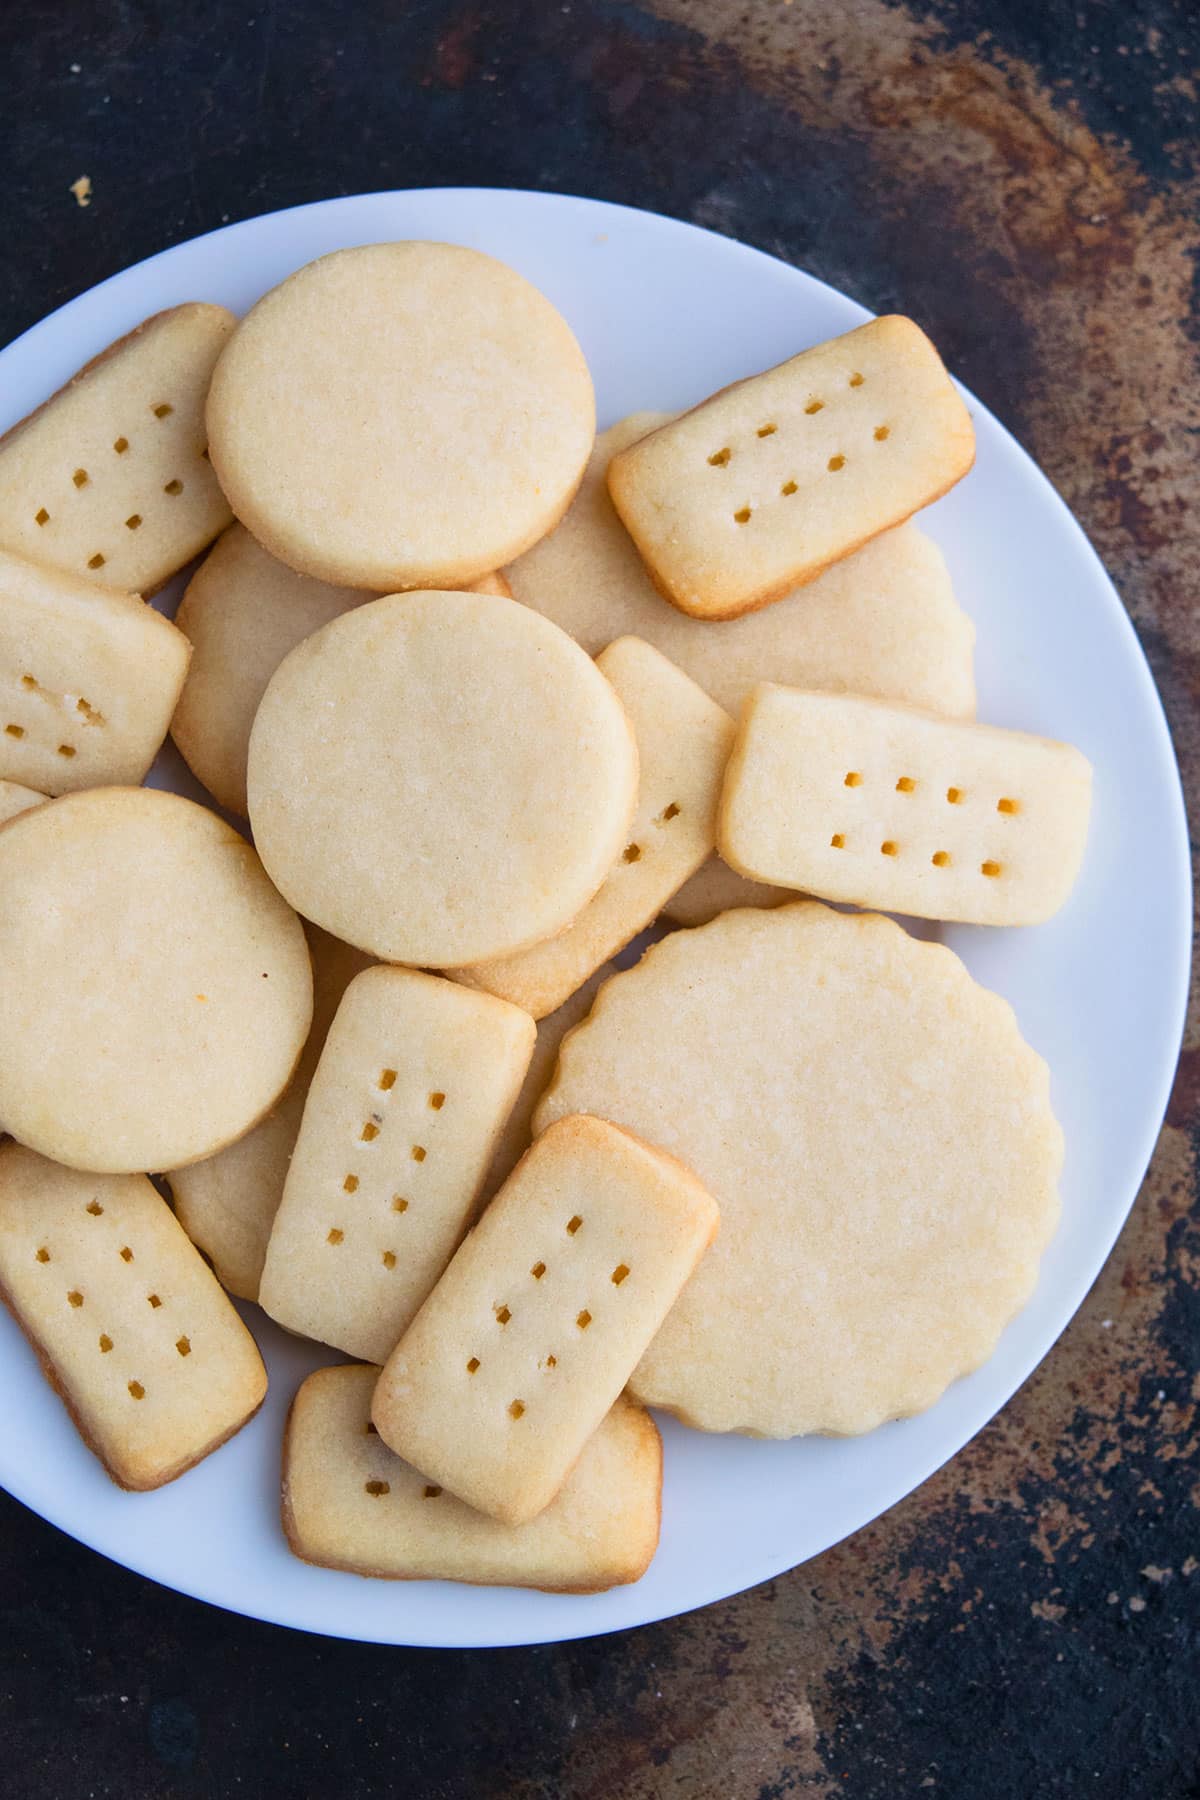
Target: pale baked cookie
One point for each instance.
(109, 479)
(157, 991)
(683, 741)
(400, 1124)
(227, 1203)
(16, 799)
(880, 1142)
(89, 677)
(534, 1329)
(242, 613)
(764, 485)
(716, 888)
(401, 415)
(852, 799)
(349, 1503)
(131, 1329)
(440, 778)
(883, 621)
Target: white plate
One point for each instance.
(666, 313)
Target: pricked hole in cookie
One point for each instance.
(437, 1101)
(719, 458)
(516, 1409)
(387, 1080)
(835, 463)
(399, 1204)
(173, 487)
(853, 779)
(573, 1225)
(814, 406)
(856, 380)
(742, 516)
(105, 1343)
(126, 1253)
(335, 1236)
(631, 853)
(94, 1207)
(163, 410)
(41, 516)
(137, 1391)
(838, 841)
(133, 521)
(350, 1185)
(889, 848)
(1011, 807)
(788, 488)
(418, 1153)
(619, 1274)
(369, 1133)
(429, 1491)
(96, 562)
(990, 869)
(80, 477)
(389, 1259)
(881, 432)
(940, 859)
(88, 712)
(906, 785)
(154, 1301)
(552, 1362)
(668, 813)
(30, 682)
(121, 445)
(583, 1319)
(538, 1270)
(14, 731)
(955, 796)
(67, 750)
(75, 1297)
(767, 430)
(42, 1255)
(377, 1489)
(473, 1366)
(502, 1315)
(184, 1346)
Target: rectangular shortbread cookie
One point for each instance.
(349, 1503)
(129, 1323)
(109, 478)
(683, 741)
(89, 677)
(542, 1316)
(404, 1112)
(757, 490)
(888, 807)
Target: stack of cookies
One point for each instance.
(479, 697)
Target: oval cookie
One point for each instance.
(440, 778)
(877, 1136)
(401, 415)
(157, 991)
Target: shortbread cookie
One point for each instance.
(851, 799)
(400, 1124)
(683, 741)
(349, 1503)
(16, 799)
(760, 488)
(401, 415)
(534, 1329)
(883, 621)
(157, 991)
(227, 1203)
(879, 1140)
(89, 677)
(716, 888)
(131, 1329)
(109, 479)
(243, 612)
(440, 778)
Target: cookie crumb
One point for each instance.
(82, 189)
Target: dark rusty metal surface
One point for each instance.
(1024, 179)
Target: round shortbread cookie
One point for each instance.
(882, 622)
(878, 1137)
(157, 991)
(440, 778)
(401, 415)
